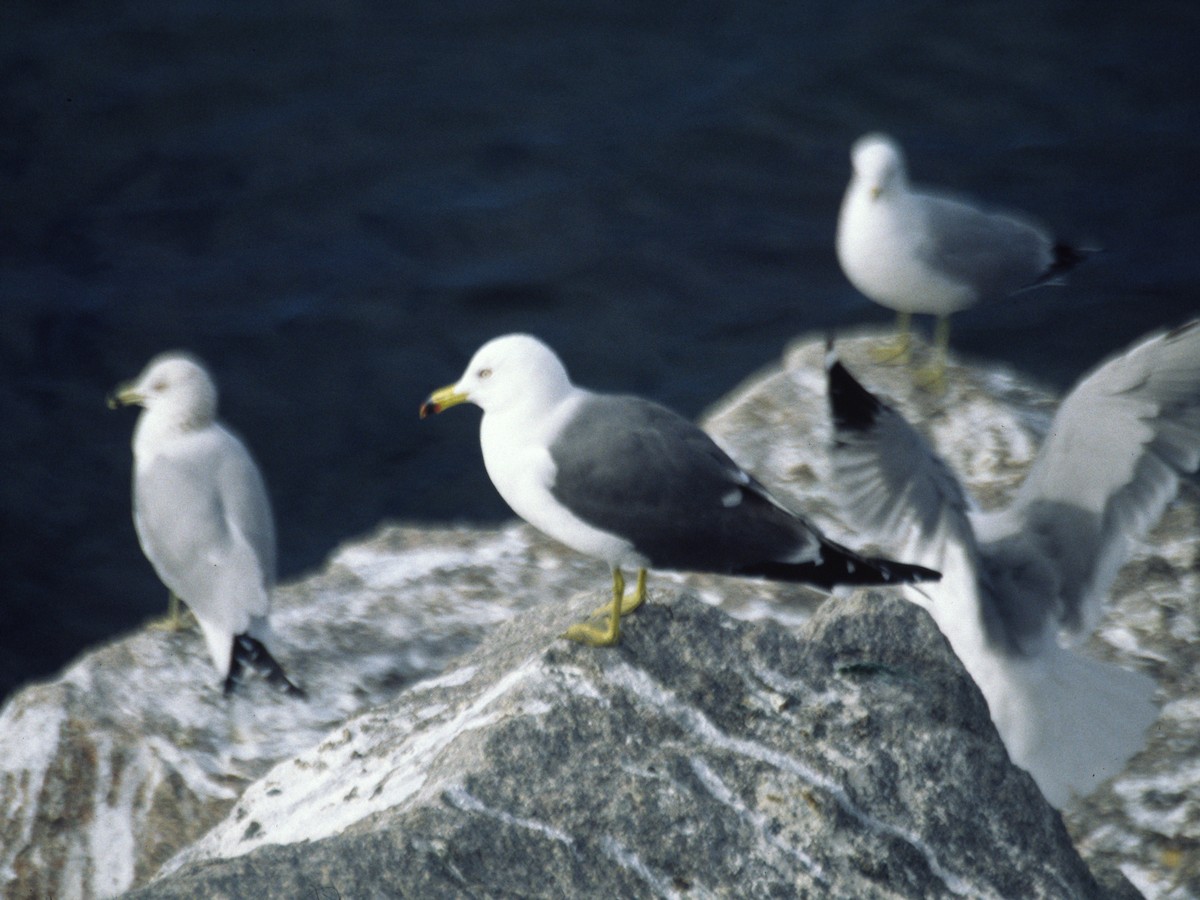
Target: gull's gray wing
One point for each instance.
(1110, 465)
(638, 470)
(205, 524)
(244, 495)
(896, 487)
(892, 480)
(994, 253)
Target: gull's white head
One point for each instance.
(510, 371)
(173, 386)
(878, 164)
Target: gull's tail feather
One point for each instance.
(840, 565)
(252, 653)
(1070, 721)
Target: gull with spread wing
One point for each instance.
(1021, 584)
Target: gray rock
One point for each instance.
(702, 757)
(131, 756)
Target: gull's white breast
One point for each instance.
(516, 453)
(878, 245)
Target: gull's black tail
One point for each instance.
(250, 652)
(841, 565)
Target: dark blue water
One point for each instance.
(334, 203)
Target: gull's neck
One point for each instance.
(163, 424)
(535, 418)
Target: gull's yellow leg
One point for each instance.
(933, 376)
(897, 349)
(619, 605)
(629, 602)
(175, 616)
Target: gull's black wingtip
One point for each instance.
(1180, 330)
(1066, 257)
(839, 565)
(904, 573)
(852, 406)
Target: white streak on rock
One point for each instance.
(640, 685)
(459, 797)
(629, 860)
(720, 791)
(336, 785)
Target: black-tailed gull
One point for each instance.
(1020, 579)
(202, 515)
(634, 484)
(924, 252)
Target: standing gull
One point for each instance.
(1020, 579)
(924, 252)
(636, 485)
(201, 514)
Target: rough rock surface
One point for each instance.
(130, 756)
(701, 757)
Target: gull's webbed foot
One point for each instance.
(931, 378)
(892, 352)
(897, 350)
(595, 636)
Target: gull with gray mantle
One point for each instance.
(636, 485)
(920, 251)
(202, 516)
(1025, 583)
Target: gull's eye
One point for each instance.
(159, 386)
(483, 373)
